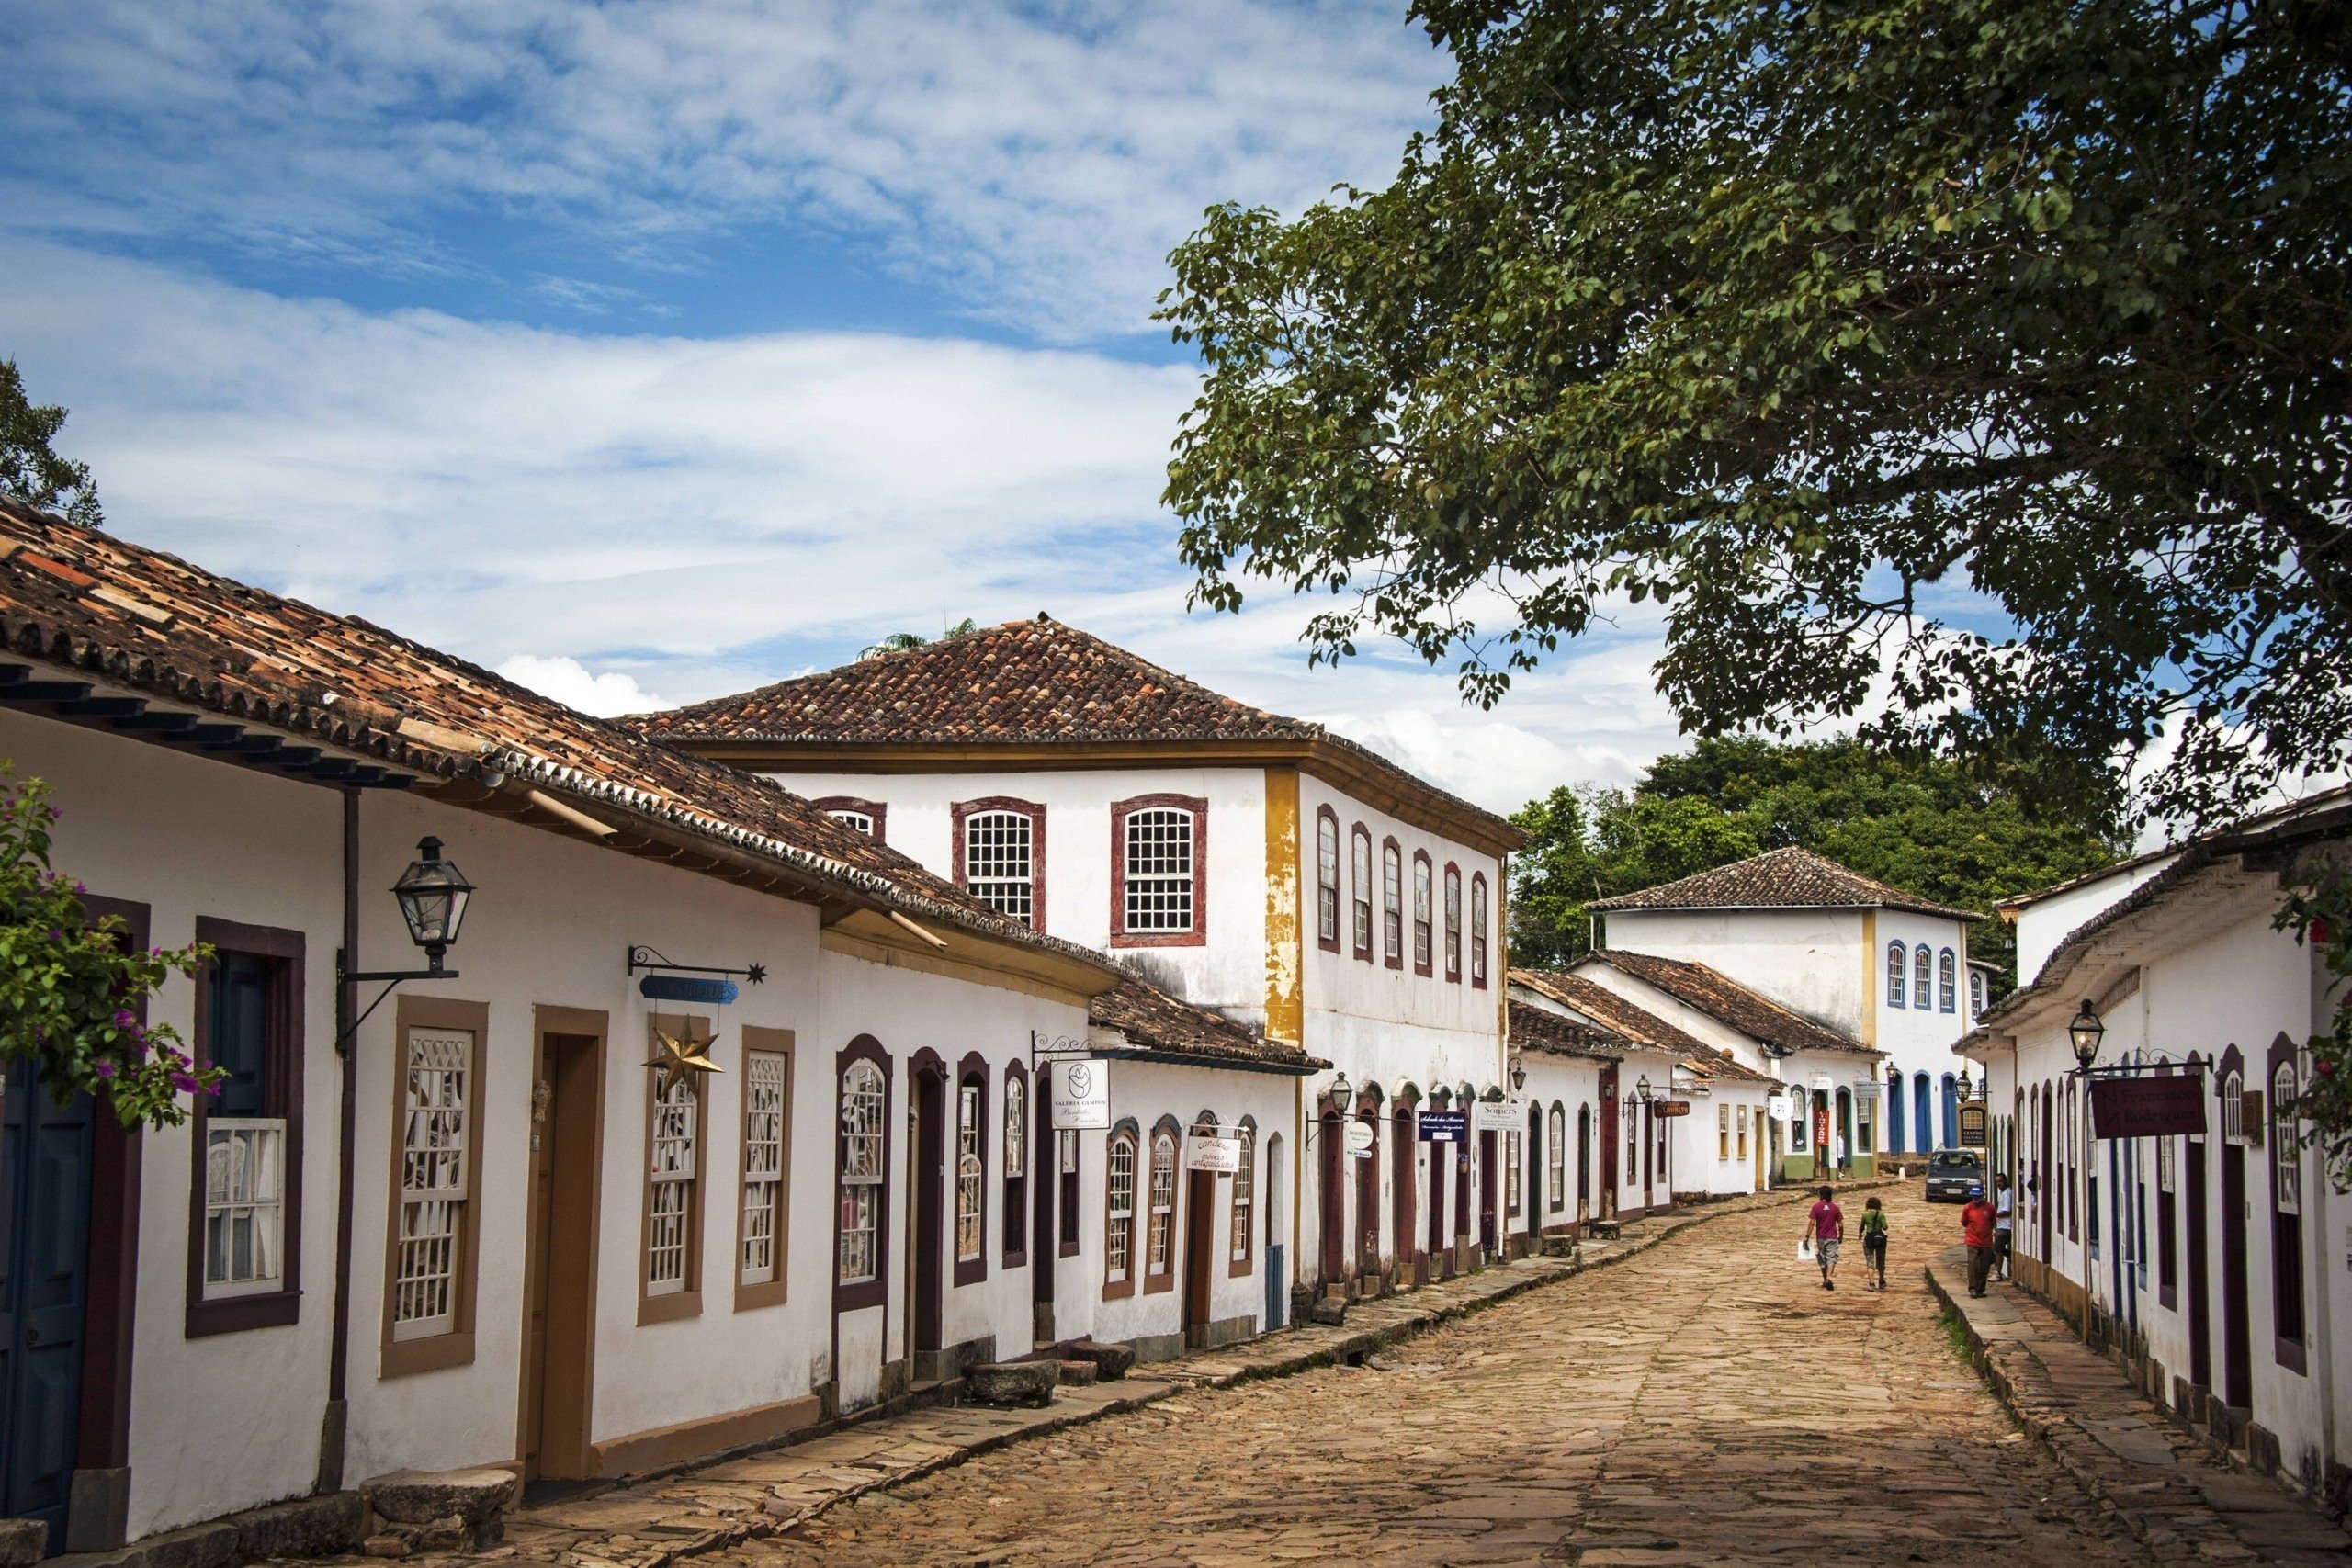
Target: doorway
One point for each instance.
(1367, 1166)
(928, 1236)
(560, 1295)
(1404, 1179)
(1277, 1249)
(44, 1251)
(1200, 1255)
(1609, 1178)
(2201, 1288)
(1439, 1261)
(1488, 1238)
(2237, 1338)
(1334, 1221)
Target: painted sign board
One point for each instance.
(1214, 1153)
(1360, 1139)
(1498, 1115)
(1671, 1108)
(1973, 1118)
(1443, 1126)
(1080, 1094)
(2144, 1108)
(1781, 1107)
(1820, 1126)
(687, 989)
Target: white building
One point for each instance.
(1871, 964)
(1255, 865)
(2213, 1259)
(531, 1249)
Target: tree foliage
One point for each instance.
(1992, 349)
(29, 470)
(72, 992)
(899, 642)
(1923, 825)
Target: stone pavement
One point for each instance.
(1700, 1401)
(2179, 1495)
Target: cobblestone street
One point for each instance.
(1704, 1402)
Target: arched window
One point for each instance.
(1016, 1165)
(1392, 905)
(1975, 995)
(1897, 956)
(1327, 879)
(1245, 1196)
(1513, 1155)
(1360, 857)
(972, 1170)
(1947, 982)
(859, 1258)
(1632, 1120)
(1556, 1154)
(1422, 955)
(2286, 1210)
(1156, 872)
(1119, 1235)
(1453, 923)
(1000, 850)
(1479, 929)
(1801, 1121)
(1159, 1252)
(1923, 989)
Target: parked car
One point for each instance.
(1955, 1176)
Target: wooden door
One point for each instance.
(1403, 1177)
(1610, 1143)
(1334, 1196)
(930, 1218)
(558, 1352)
(1200, 1254)
(2200, 1286)
(1489, 1234)
(1438, 1258)
(2237, 1332)
(44, 1251)
(1367, 1170)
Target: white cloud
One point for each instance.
(1040, 159)
(575, 685)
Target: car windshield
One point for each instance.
(1955, 1161)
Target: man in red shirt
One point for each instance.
(1824, 1227)
(1976, 1223)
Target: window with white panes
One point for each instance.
(1000, 862)
(1454, 923)
(1158, 1255)
(762, 1261)
(244, 1133)
(1946, 981)
(862, 1110)
(1158, 881)
(2286, 1149)
(861, 820)
(1392, 905)
(972, 1172)
(1975, 993)
(1723, 1132)
(1016, 1165)
(1923, 968)
(1119, 1239)
(1421, 914)
(1361, 855)
(2232, 1107)
(670, 1207)
(1555, 1151)
(1897, 990)
(1245, 1195)
(1511, 1171)
(436, 1145)
(1739, 1127)
(1327, 878)
(1479, 929)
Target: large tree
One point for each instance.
(1920, 824)
(29, 468)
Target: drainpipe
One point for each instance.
(333, 1427)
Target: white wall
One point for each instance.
(2045, 922)
(1807, 960)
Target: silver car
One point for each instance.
(1955, 1176)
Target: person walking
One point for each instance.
(1825, 1228)
(2003, 1220)
(1873, 1229)
(1976, 1223)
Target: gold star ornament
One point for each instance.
(674, 1058)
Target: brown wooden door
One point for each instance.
(1200, 1254)
(558, 1341)
(930, 1219)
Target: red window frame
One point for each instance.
(1360, 906)
(1423, 891)
(1450, 890)
(1120, 811)
(963, 810)
(1392, 903)
(1478, 931)
(879, 810)
(1327, 894)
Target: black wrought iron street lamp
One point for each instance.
(433, 895)
(1641, 1090)
(2085, 1032)
(1518, 1074)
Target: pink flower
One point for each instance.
(184, 1083)
(104, 1069)
(125, 1019)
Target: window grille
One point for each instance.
(764, 1089)
(244, 1198)
(1897, 993)
(1739, 1126)
(970, 1193)
(1160, 870)
(860, 1158)
(1477, 930)
(435, 1135)
(1975, 993)
(673, 1185)
(999, 863)
(1923, 991)
(2286, 1152)
(2232, 1107)
(1555, 1134)
(1633, 1139)
(2167, 1165)
(1723, 1132)
(1163, 1202)
(1421, 915)
(1360, 852)
(1327, 878)
(1119, 1244)
(861, 820)
(1067, 1158)
(1016, 1164)
(1453, 924)
(1392, 905)
(1510, 1169)
(1947, 982)
(1244, 1193)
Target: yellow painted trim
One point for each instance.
(1873, 977)
(1285, 961)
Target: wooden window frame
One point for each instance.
(1392, 903)
(1359, 907)
(1555, 1157)
(1123, 1130)
(1326, 892)
(1898, 975)
(970, 1073)
(879, 810)
(1121, 810)
(1242, 1218)
(283, 1064)
(1922, 978)
(1453, 907)
(750, 1296)
(402, 1357)
(2289, 1269)
(851, 1296)
(686, 1302)
(1479, 918)
(963, 811)
(1947, 980)
(1168, 1133)
(1068, 1190)
(1014, 1184)
(1424, 897)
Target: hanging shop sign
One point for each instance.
(1782, 1108)
(1080, 1094)
(1498, 1115)
(2145, 1107)
(1670, 1107)
(1820, 1126)
(1358, 1137)
(1973, 1120)
(1212, 1152)
(684, 989)
(1443, 1126)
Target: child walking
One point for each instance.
(1873, 1246)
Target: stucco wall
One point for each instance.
(1807, 960)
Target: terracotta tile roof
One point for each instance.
(1159, 1025)
(1020, 683)
(1725, 1000)
(1779, 879)
(151, 623)
(1631, 1022)
(1537, 1029)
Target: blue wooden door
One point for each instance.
(44, 1251)
(1277, 1287)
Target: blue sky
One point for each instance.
(650, 351)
